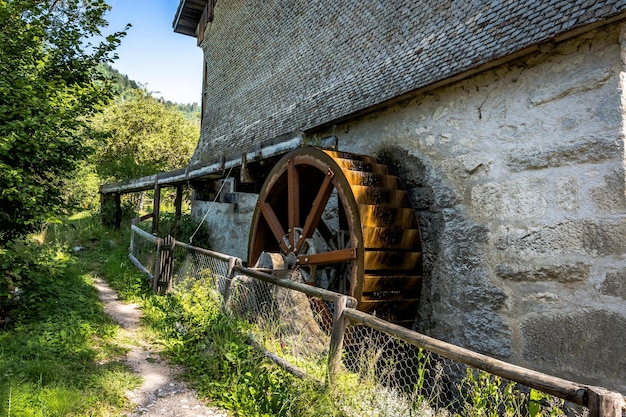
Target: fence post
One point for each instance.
(178, 204)
(111, 210)
(604, 403)
(170, 243)
(163, 270)
(157, 267)
(340, 323)
(156, 209)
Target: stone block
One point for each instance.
(592, 237)
(609, 197)
(510, 200)
(529, 272)
(585, 150)
(614, 284)
(584, 345)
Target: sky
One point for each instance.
(168, 64)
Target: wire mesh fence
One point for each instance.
(405, 380)
(379, 373)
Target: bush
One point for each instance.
(30, 275)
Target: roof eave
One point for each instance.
(188, 16)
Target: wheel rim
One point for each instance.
(346, 225)
(293, 208)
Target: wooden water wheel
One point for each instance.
(347, 225)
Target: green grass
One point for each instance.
(192, 330)
(59, 356)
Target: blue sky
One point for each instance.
(151, 53)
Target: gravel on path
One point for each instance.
(160, 394)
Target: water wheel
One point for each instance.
(347, 225)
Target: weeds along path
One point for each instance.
(160, 394)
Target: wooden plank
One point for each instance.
(380, 196)
(392, 260)
(383, 216)
(274, 224)
(145, 234)
(603, 403)
(404, 283)
(140, 219)
(304, 288)
(391, 238)
(178, 204)
(325, 258)
(315, 215)
(293, 197)
(156, 209)
(336, 338)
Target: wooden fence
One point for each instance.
(599, 401)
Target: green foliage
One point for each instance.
(222, 364)
(58, 356)
(30, 273)
(486, 395)
(489, 395)
(144, 137)
(48, 89)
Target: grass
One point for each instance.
(59, 356)
(193, 330)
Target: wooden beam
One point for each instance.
(603, 403)
(336, 338)
(156, 209)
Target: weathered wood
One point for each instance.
(558, 387)
(118, 211)
(156, 209)
(144, 234)
(307, 289)
(178, 204)
(140, 219)
(214, 169)
(168, 275)
(604, 403)
(157, 267)
(336, 338)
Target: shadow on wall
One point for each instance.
(459, 303)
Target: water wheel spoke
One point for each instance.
(348, 223)
(331, 257)
(325, 231)
(293, 194)
(315, 215)
(274, 223)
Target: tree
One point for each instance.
(49, 87)
(144, 137)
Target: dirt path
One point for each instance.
(160, 394)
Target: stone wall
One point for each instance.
(518, 178)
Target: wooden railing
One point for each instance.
(599, 401)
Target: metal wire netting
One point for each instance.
(144, 250)
(395, 378)
(285, 322)
(379, 374)
(196, 265)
